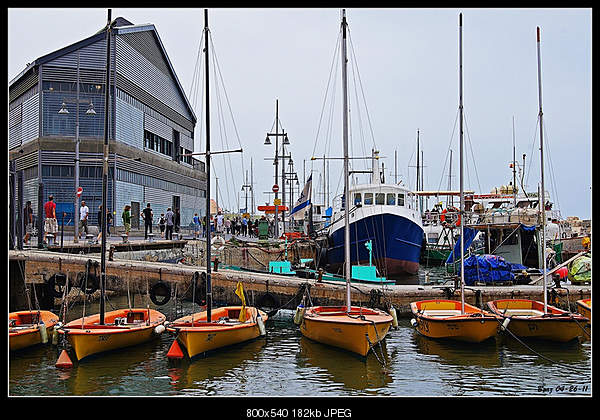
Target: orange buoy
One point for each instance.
(175, 351)
(64, 361)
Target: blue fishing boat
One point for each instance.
(387, 215)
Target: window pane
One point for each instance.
(357, 198)
(391, 200)
(379, 198)
(368, 198)
(400, 199)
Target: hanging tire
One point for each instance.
(160, 293)
(268, 301)
(200, 288)
(92, 284)
(56, 284)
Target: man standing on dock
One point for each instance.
(50, 225)
(170, 222)
(147, 215)
(83, 218)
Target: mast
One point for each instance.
(514, 165)
(462, 196)
(346, 162)
(418, 174)
(542, 194)
(105, 172)
(208, 234)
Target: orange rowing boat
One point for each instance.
(584, 307)
(443, 318)
(357, 330)
(121, 328)
(225, 328)
(26, 328)
(528, 319)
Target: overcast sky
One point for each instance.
(407, 62)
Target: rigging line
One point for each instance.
(222, 115)
(220, 123)
(362, 90)
(472, 154)
(327, 88)
(196, 68)
(362, 137)
(532, 156)
(552, 177)
(448, 151)
(331, 112)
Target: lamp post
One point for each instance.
(90, 111)
(276, 163)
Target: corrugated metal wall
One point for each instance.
(129, 127)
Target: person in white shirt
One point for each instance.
(83, 218)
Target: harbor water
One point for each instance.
(285, 363)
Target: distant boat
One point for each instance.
(450, 319)
(351, 328)
(26, 328)
(215, 328)
(530, 318)
(121, 328)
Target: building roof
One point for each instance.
(121, 26)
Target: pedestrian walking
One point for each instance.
(28, 222)
(176, 221)
(170, 216)
(161, 224)
(147, 215)
(126, 216)
(83, 218)
(50, 225)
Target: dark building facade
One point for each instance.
(151, 124)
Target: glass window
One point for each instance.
(380, 198)
(391, 200)
(357, 198)
(400, 199)
(368, 198)
(432, 238)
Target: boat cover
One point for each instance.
(489, 268)
(470, 234)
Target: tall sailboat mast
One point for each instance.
(542, 199)
(105, 172)
(462, 192)
(346, 162)
(208, 235)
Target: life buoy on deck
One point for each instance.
(443, 216)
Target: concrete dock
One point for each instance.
(262, 289)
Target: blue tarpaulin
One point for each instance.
(470, 234)
(489, 269)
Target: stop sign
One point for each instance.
(275, 188)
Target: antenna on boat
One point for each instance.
(462, 193)
(542, 193)
(346, 162)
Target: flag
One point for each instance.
(239, 290)
(303, 201)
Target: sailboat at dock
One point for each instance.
(210, 330)
(120, 328)
(451, 319)
(531, 318)
(352, 328)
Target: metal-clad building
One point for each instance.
(151, 124)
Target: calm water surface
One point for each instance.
(287, 364)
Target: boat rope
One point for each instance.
(535, 352)
(569, 310)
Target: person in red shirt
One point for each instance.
(50, 224)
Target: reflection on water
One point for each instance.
(287, 364)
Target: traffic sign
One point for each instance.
(275, 188)
(79, 192)
(277, 201)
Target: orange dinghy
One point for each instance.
(25, 328)
(357, 330)
(442, 318)
(528, 319)
(226, 329)
(121, 328)
(584, 307)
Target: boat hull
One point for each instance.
(442, 318)
(584, 307)
(87, 337)
(25, 333)
(331, 326)
(527, 320)
(200, 337)
(396, 240)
